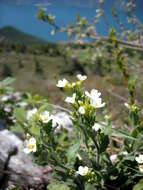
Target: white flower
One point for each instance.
(7, 109)
(53, 32)
(124, 153)
(126, 105)
(81, 110)
(22, 104)
(93, 94)
(62, 119)
(55, 121)
(30, 113)
(83, 171)
(16, 96)
(73, 84)
(95, 99)
(5, 98)
(81, 77)
(45, 117)
(71, 99)
(62, 83)
(141, 168)
(30, 145)
(96, 126)
(139, 159)
(113, 157)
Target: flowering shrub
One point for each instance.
(84, 157)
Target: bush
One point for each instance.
(6, 71)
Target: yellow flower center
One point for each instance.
(31, 146)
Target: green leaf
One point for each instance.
(122, 134)
(8, 81)
(58, 186)
(20, 114)
(47, 107)
(35, 130)
(139, 186)
(107, 130)
(17, 129)
(104, 143)
(72, 152)
(89, 187)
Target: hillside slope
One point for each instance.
(12, 34)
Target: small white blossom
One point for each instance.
(71, 99)
(22, 104)
(45, 117)
(56, 122)
(126, 105)
(62, 83)
(113, 157)
(83, 171)
(141, 168)
(73, 84)
(62, 119)
(93, 94)
(30, 113)
(53, 32)
(7, 109)
(139, 159)
(81, 110)
(5, 98)
(81, 77)
(95, 99)
(17, 96)
(30, 145)
(124, 153)
(96, 127)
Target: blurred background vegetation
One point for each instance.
(37, 64)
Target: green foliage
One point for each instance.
(85, 157)
(58, 186)
(88, 145)
(139, 186)
(7, 71)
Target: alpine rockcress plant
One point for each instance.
(85, 157)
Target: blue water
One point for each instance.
(22, 15)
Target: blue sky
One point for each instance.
(22, 14)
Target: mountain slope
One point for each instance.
(12, 34)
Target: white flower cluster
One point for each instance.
(81, 77)
(46, 117)
(94, 97)
(64, 82)
(91, 98)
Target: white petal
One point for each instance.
(26, 150)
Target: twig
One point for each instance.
(59, 107)
(117, 96)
